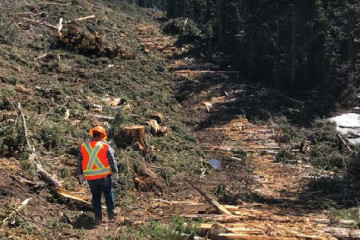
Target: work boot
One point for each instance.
(111, 216)
(97, 221)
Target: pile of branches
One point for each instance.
(74, 39)
(182, 26)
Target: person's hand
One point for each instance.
(82, 179)
(114, 177)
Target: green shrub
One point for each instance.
(289, 132)
(51, 136)
(284, 156)
(326, 151)
(8, 31)
(241, 154)
(12, 138)
(182, 26)
(325, 131)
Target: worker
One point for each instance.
(97, 166)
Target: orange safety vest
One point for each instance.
(95, 163)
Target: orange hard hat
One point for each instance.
(100, 130)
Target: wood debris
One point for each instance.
(208, 105)
(75, 39)
(147, 180)
(51, 180)
(10, 219)
(41, 23)
(23, 89)
(80, 19)
(157, 130)
(213, 202)
(158, 117)
(244, 222)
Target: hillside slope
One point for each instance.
(64, 92)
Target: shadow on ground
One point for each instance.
(83, 221)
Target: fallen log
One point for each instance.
(188, 208)
(192, 208)
(344, 233)
(215, 217)
(239, 236)
(55, 4)
(41, 23)
(213, 202)
(44, 175)
(238, 218)
(80, 19)
(102, 117)
(344, 143)
(78, 200)
(246, 230)
(24, 180)
(336, 222)
(11, 217)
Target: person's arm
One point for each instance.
(112, 162)
(79, 164)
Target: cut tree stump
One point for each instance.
(134, 135)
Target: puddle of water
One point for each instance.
(215, 163)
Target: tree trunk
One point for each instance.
(277, 41)
(219, 20)
(293, 46)
(350, 43)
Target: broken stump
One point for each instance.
(158, 117)
(156, 130)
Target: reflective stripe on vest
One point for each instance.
(94, 160)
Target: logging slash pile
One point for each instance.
(74, 39)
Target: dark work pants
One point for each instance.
(97, 187)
